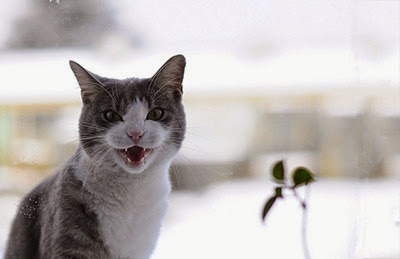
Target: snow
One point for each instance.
(347, 219)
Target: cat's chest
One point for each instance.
(130, 226)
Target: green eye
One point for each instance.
(112, 116)
(155, 114)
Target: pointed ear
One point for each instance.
(87, 80)
(171, 73)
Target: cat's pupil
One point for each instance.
(112, 116)
(155, 114)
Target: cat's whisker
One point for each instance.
(91, 142)
(178, 140)
(100, 162)
(87, 139)
(174, 170)
(191, 171)
(177, 176)
(89, 124)
(87, 174)
(179, 130)
(203, 167)
(193, 149)
(71, 142)
(70, 161)
(99, 151)
(197, 167)
(92, 126)
(93, 161)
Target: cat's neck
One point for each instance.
(129, 207)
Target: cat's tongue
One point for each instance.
(135, 154)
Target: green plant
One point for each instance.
(301, 176)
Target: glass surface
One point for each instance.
(315, 83)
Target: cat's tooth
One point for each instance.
(126, 150)
(129, 160)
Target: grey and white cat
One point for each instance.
(108, 201)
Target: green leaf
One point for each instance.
(278, 171)
(268, 206)
(302, 176)
(278, 192)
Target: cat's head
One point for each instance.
(132, 123)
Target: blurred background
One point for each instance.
(315, 83)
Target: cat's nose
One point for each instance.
(135, 136)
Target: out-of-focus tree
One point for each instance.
(63, 23)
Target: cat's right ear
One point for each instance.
(170, 75)
(87, 80)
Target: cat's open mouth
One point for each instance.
(135, 156)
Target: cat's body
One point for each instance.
(109, 200)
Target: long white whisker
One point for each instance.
(97, 153)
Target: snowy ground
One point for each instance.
(347, 219)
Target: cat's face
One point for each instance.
(132, 123)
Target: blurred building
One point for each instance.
(337, 130)
(313, 83)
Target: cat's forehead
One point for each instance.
(128, 92)
(130, 87)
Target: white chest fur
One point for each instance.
(131, 223)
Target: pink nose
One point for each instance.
(135, 136)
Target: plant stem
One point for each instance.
(304, 226)
(302, 202)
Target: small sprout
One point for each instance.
(278, 171)
(302, 176)
(268, 206)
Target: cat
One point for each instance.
(109, 200)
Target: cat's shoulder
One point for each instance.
(37, 194)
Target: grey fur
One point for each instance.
(59, 218)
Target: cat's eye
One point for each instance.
(155, 114)
(112, 116)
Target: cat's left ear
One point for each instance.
(171, 73)
(88, 81)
